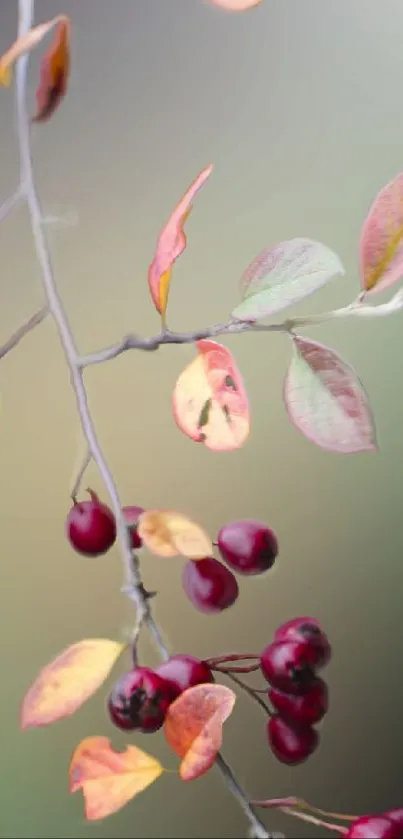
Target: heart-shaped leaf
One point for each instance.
(168, 533)
(110, 779)
(209, 401)
(381, 244)
(54, 73)
(68, 681)
(193, 727)
(283, 275)
(326, 401)
(171, 244)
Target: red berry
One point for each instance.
(140, 700)
(306, 629)
(131, 516)
(183, 672)
(91, 526)
(396, 815)
(374, 827)
(249, 547)
(291, 743)
(308, 708)
(289, 666)
(209, 585)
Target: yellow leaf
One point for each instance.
(168, 533)
(68, 681)
(21, 46)
(110, 779)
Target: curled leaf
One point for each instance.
(110, 779)
(171, 244)
(21, 46)
(326, 401)
(168, 533)
(54, 73)
(236, 5)
(209, 402)
(193, 727)
(68, 681)
(381, 244)
(283, 275)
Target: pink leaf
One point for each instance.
(236, 5)
(381, 244)
(325, 400)
(210, 404)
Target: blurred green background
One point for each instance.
(298, 106)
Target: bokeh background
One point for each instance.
(298, 106)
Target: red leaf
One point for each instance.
(54, 73)
(171, 244)
(193, 727)
(68, 681)
(110, 779)
(209, 402)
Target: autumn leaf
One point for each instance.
(326, 401)
(381, 243)
(68, 681)
(193, 727)
(54, 73)
(110, 779)
(24, 45)
(171, 244)
(168, 533)
(236, 5)
(283, 275)
(209, 401)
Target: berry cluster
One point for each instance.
(388, 825)
(298, 696)
(140, 698)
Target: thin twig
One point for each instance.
(134, 586)
(247, 690)
(10, 203)
(306, 817)
(23, 330)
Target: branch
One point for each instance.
(135, 342)
(134, 586)
(23, 330)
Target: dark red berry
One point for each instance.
(91, 526)
(289, 666)
(183, 672)
(396, 815)
(306, 629)
(209, 585)
(140, 700)
(131, 516)
(291, 743)
(374, 827)
(249, 547)
(308, 708)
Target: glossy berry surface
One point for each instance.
(131, 516)
(91, 526)
(140, 700)
(374, 827)
(289, 666)
(291, 743)
(247, 546)
(209, 585)
(307, 709)
(306, 629)
(183, 672)
(396, 815)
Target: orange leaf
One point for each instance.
(68, 681)
(209, 402)
(21, 46)
(193, 727)
(168, 533)
(381, 243)
(171, 243)
(107, 778)
(54, 73)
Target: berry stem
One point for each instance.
(222, 659)
(306, 817)
(250, 691)
(250, 668)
